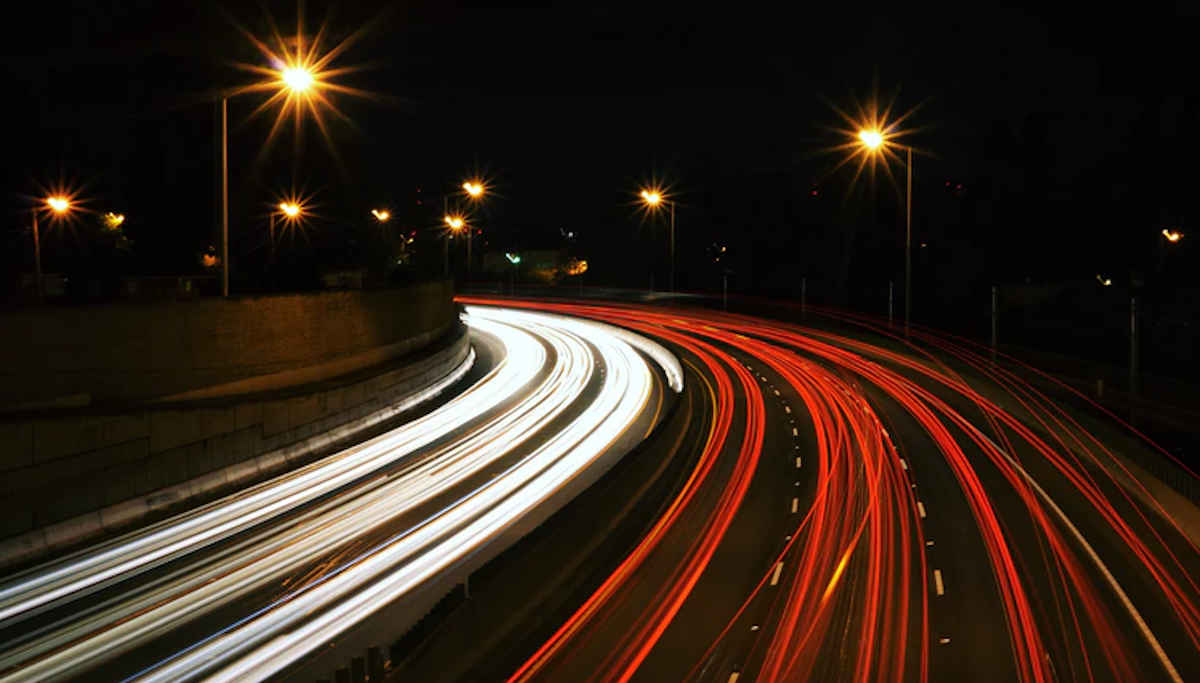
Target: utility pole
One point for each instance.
(1133, 346)
(908, 242)
(995, 319)
(224, 116)
(37, 259)
(671, 283)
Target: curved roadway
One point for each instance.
(856, 506)
(249, 585)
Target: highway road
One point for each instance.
(851, 505)
(823, 500)
(251, 585)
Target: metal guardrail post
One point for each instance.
(1133, 346)
(375, 668)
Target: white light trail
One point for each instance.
(410, 557)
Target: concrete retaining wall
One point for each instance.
(76, 477)
(127, 352)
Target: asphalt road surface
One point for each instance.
(852, 506)
(250, 585)
(825, 500)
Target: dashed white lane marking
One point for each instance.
(929, 544)
(733, 677)
(921, 509)
(795, 432)
(797, 462)
(795, 505)
(903, 464)
(776, 391)
(775, 576)
(944, 641)
(937, 582)
(787, 409)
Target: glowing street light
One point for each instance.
(455, 224)
(298, 79)
(1105, 282)
(291, 210)
(113, 220)
(654, 198)
(59, 206)
(871, 139)
(381, 215)
(297, 83)
(1172, 236)
(473, 188)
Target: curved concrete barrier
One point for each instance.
(383, 397)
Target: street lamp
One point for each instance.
(291, 211)
(294, 81)
(515, 260)
(1172, 236)
(296, 78)
(475, 191)
(653, 199)
(113, 220)
(381, 215)
(473, 188)
(455, 224)
(59, 206)
(874, 140)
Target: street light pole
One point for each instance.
(223, 115)
(272, 236)
(37, 257)
(671, 283)
(908, 239)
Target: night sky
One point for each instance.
(1072, 136)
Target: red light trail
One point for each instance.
(853, 593)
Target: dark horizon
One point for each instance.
(1070, 146)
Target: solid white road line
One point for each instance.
(1151, 639)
